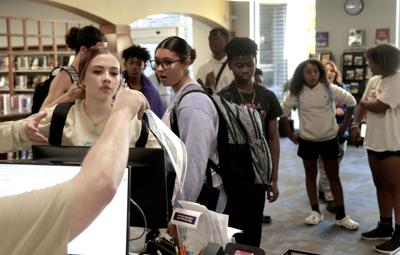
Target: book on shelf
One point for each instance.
(4, 63)
(22, 63)
(3, 81)
(65, 60)
(21, 103)
(35, 63)
(43, 62)
(5, 104)
(21, 82)
(359, 74)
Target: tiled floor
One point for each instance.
(288, 231)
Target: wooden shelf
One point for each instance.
(25, 40)
(17, 90)
(38, 71)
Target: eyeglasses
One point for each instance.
(166, 64)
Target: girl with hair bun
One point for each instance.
(62, 87)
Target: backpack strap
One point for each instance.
(174, 117)
(220, 73)
(175, 129)
(144, 134)
(73, 74)
(58, 122)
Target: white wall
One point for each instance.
(200, 43)
(240, 15)
(331, 17)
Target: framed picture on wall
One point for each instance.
(382, 35)
(322, 39)
(349, 74)
(359, 74)
(358, 60)
(356, 37)
(354, 88)
(348, 60)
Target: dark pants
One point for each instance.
(245, 208)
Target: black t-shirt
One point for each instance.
(263, 99)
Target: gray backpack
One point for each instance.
(244, 156)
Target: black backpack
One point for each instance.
(244, 155)
(42, 89)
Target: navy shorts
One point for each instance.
(381, 155)
(312, 150)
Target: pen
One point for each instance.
(183, 248)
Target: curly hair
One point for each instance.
(240, 46)
(385, 55)
(297, 82)
(87, 36)
(135, 51)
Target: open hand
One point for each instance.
(32, 131)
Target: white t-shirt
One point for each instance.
(383, 129)
(214, 65)
(316, 113)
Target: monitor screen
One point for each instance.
(107, 234)
(149, 186)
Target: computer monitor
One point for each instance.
(148, 179)
(107, 234)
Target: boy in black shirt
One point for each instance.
(245, 204)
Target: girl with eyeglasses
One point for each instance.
(196, 117)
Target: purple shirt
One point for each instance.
(151, 93)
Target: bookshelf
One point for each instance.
(29, 49)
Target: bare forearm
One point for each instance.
(286, 126)
(101, 172)
(50, 101)
(274, 147)
(374, 105)
(348, 115)
(360, 113)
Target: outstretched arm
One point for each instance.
(103, 167)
